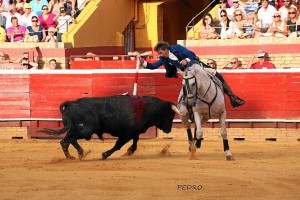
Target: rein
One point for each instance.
(187, 90)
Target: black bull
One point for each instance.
(122, 116)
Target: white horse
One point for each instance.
(202, 95)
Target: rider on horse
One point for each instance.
(178, 57)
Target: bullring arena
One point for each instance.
(33, 166)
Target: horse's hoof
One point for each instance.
(198, 143)
(71, 157)
(229, 158)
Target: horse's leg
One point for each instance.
(185, 117)
(224, 136)
(198, 130)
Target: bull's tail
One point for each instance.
(67, 121)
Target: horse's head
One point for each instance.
(190, 83)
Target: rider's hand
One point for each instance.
(184, 62)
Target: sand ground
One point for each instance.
(37, 169)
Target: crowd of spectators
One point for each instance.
(251, 19)
(30, 20)
(261, 63)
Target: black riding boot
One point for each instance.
(234, 100)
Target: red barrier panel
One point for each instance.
(271, 94)
(14, 96)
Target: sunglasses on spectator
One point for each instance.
(291, 13)
(233, 63)
(210, 63)
(223, 15)
(276, 16)
(45, 8)
(235, 2)
(34, 20)
(238, 14)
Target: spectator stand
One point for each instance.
(105, 61)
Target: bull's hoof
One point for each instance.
(129, 152)
(104, 156)
(85, 153)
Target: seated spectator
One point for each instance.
(70, 6)
(285, 9)
(212, 63)
(238, 25)
(223, 5)
(52, 65)
(2, 34)
(47, 19)
(252, 26)
(19, 6)
(236, 5)
(28, 14)
(230, 3)
(226, 25)
(8, 14)
(262, 62)
(296, 3)
(251, 7)
(235, 63)
(278, 27)
(51, 37)
(265, 14)
(273, 3)
(63, 21)
(293, 23)
(279, 4)
(26, 63)
(16, 32)
(35, 33)
(208, 30)
(37, 6)
(54, 6)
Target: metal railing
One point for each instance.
(191, 24)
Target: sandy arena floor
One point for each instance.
(37, 169)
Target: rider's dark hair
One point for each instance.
(161, 46)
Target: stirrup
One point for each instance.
(236, 101)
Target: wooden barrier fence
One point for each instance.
(32, 98)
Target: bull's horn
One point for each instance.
(176, 110)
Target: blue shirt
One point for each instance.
(250, 8)
(37, 6)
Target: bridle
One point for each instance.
(187, 91)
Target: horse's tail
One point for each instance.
(66, 120)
